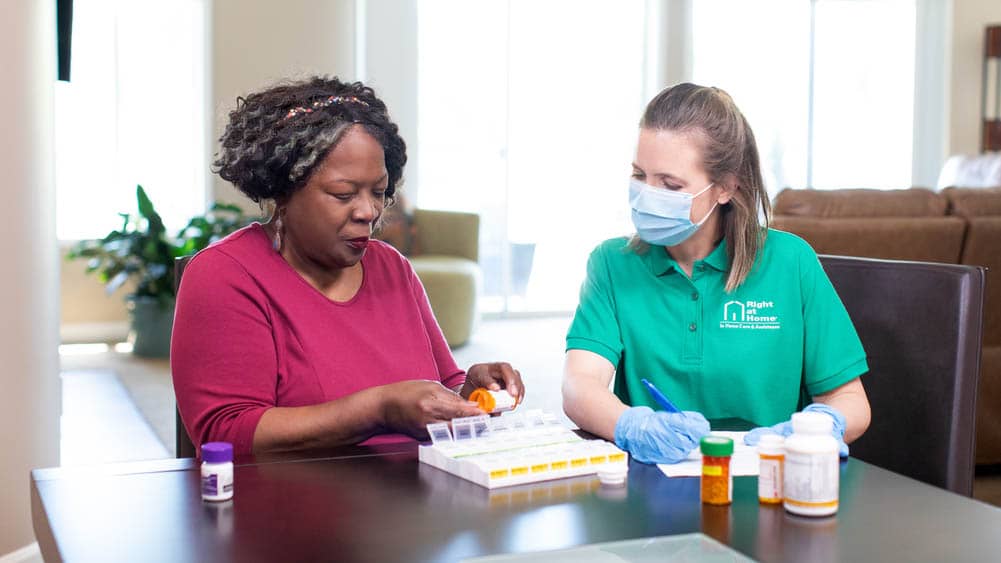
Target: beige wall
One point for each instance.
(258, 42)
(30, 402)
(391, 69)
(969, 18)
(89, 314)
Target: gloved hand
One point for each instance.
(659, 437)
(785, 428)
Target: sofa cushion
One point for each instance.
(914, 202)
(451, 284)
(973, 202)
(988, 411)
(982, 249)
(933, 239)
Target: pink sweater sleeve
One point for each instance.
(450, 374)
(223, 355)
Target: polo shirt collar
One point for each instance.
(660, 262)
(718, 258)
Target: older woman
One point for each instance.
(725, 317)
(305, 331)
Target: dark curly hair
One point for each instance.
(270, 149)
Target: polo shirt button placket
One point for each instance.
(693, 327)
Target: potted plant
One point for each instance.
(143, 252)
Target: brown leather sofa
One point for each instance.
(956, 226)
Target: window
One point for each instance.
(533, 130)
(134, 113)
(827, 85)
(532, 123)
(863, 102)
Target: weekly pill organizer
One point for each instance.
(516, 448)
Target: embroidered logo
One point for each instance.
(754, 315)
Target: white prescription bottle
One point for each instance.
(217, 471)
(811, 466)
(493, 402)
(771, 458)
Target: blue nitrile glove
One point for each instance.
(785, 428)
(659, 437)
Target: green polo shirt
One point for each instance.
(746, 354)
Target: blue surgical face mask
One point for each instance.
(663, 217)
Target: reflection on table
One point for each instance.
(380, 504)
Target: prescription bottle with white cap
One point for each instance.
(810, 484)
(493, 402)
(771, 458)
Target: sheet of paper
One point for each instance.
(743, 462)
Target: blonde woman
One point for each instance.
(727, 318)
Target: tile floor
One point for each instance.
(100, 423)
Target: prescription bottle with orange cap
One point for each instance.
(493, 402)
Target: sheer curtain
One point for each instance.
(530, 122)
(827, 85)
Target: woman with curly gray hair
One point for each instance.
(305, 331)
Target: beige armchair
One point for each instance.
(445, 256)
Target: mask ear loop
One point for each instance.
(711, 184)
(711, 209)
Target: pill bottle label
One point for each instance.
(770, 479)
(713, 470)
(493, 402)
(210, 485)
(217, 484)
(811, 483)
(716, 481)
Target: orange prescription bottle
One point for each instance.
(493, 402)
(717, 482)
(771, 458)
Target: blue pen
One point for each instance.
(659, 397)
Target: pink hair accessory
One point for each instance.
(322, 104)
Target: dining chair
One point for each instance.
(920, 324)
(184, 446)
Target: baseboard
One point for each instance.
(86, 333)
(27, 554)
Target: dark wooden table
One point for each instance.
(381, 504)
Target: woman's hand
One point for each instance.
(659, 437)
(409, 406)
(494, 376)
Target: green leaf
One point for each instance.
(147, 211)
(142, 251)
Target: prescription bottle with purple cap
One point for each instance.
(217, 471)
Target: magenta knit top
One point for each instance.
(250, 334)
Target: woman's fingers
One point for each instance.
(498, 375)
(512, 381)
(443, 404)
